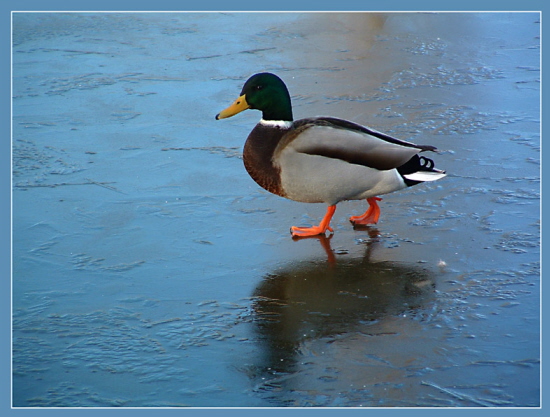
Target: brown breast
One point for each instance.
(258, 157)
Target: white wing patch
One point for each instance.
(424, 176)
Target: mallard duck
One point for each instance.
(323, 159)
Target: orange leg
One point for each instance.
(371, 215)
(315, 230)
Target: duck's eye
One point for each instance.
(259, 87)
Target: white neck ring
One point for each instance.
(285, 124)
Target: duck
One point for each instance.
(323, 159)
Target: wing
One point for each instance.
(346, 124)
(355, 146)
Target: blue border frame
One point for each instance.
(7, 6)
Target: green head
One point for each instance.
(265, 92)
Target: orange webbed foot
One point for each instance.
(370, 216)
(309, 231)
(315, 230)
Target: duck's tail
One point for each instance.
(420, 169)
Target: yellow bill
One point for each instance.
(238, 106)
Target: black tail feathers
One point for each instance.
(412, 170)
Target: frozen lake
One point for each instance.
(151, 271)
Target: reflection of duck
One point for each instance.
(313, 300)
(323, 159)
